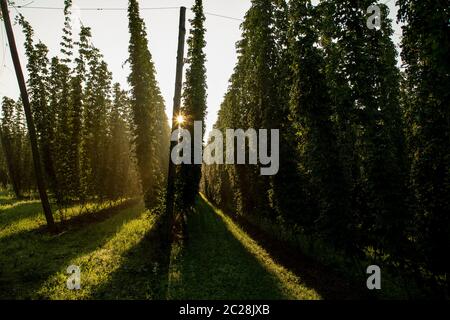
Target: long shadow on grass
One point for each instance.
(213, 264)
(87, 218)
(315, 275)
(34, 209)
(19, 210)
(143, 273)
(6, 199)
(28, 259)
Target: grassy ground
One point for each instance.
(119, 256)
(220, 261)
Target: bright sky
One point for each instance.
(110, 35)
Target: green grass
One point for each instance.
(220, 261)
(117, 256)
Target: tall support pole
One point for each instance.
(30, 123)
(176, 110)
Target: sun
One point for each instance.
(180, 119)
